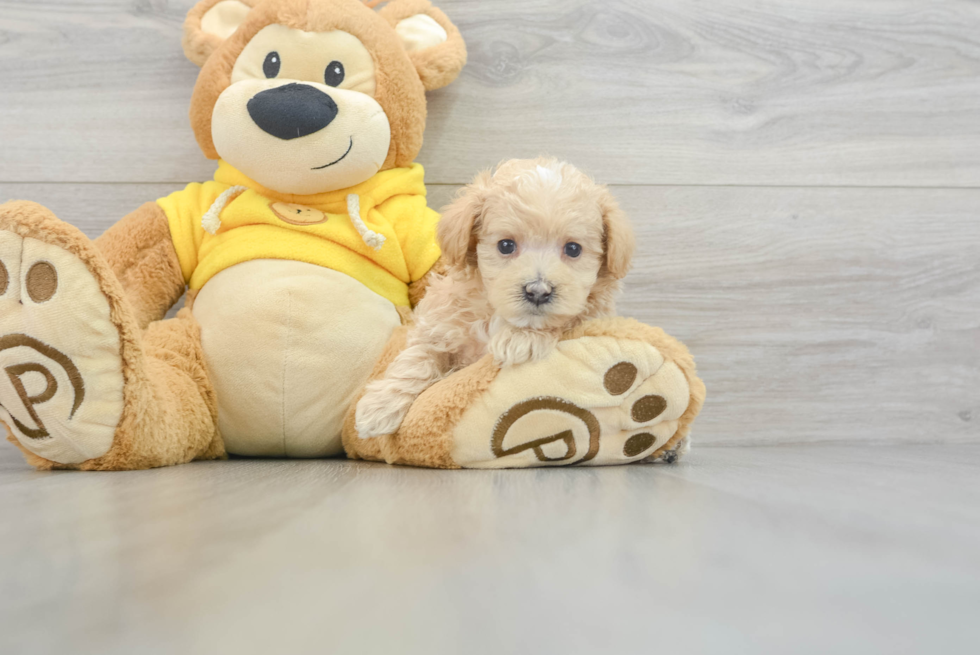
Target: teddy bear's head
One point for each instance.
(308, 96)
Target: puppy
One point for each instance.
(531, 250)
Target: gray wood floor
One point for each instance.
(805, 181)
(786, 549)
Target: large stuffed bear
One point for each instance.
(301, 260)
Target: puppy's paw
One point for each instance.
(379, 413)
(511, 347)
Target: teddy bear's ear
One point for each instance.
(209, 23)
(433, 43)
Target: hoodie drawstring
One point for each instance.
(211, 220)
(371, 238)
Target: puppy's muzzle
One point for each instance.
(292, 110)
(538, 293)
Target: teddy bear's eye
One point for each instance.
(271, 64)
(334, 74)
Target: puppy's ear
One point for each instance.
(618, 240)
(461, 219)
(432, 42)
(209, 23)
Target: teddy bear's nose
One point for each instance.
(292, 110)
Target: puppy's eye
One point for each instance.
(271, 64)
(572, 249)
(334, 74)
(506, 247)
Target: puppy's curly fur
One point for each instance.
(532, 250)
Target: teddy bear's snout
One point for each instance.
(292, 110)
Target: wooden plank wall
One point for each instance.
(804, 177)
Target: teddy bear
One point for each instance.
(301, 261)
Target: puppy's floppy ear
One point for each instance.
(461, 219)
(209, 23)
(432, 42)
(618, 240)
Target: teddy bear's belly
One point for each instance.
(288, 345)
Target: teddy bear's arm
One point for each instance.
(415, 225)
(417, 289)
(141, 253)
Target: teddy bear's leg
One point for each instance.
(614, 391)
(82, 385)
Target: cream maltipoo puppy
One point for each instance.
(531, 250)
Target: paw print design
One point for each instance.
(61, 379)
(609, 401)
(538, 446)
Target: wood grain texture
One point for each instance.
(749, 92)
(92, 208)
(755, 550)
(815, 315)
(818, 314)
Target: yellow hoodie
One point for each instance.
(252, 222)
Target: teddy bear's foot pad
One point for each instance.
(594, 401)
(61, 380)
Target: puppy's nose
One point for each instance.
(538, 293)
(292, 110)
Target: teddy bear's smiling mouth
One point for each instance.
(336, 161)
